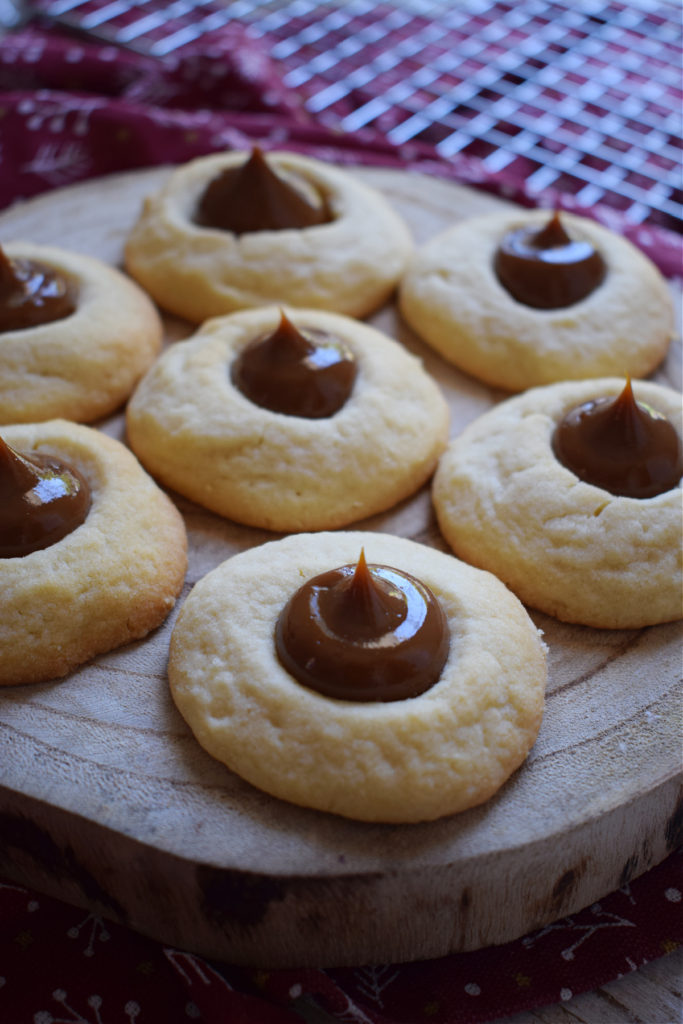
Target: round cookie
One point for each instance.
(349, 265)
(196, 433)
(408, 760)
(568, 548)
(111, 580)
(84, 366)
(453, 299)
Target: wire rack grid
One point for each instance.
(581, 96)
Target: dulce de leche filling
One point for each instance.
(546, 269)
(296, 371)
(364, 633)
(42, 499)
(32, 294)
(620, 445)
(254, 197)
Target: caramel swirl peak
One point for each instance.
(621, 446)
(42, 499)
(364, 633)
(32, 294)
(545, 268)
(363, 606)
(254, 197)
(296, 371)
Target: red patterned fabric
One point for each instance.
(71, 110)
(61, 965)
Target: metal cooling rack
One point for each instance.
(583, 96)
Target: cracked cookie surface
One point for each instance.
(82, 367)
(443, 751)
(197, 433)
(111, 580)
(349, 265)
(451, 296)
(568, 548)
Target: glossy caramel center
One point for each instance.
(364, 633)
(296, 371)
(42, 499)
(546, 268)
(32, 294)
(255, 197)
(620, 445)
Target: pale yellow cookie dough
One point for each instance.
(409, 760)
(196, 433)
(350, 265)
(84, 366)
(111, 580)
(568, 548)
(452, 298)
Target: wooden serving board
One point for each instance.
(107, 801)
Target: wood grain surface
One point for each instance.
(107, 801)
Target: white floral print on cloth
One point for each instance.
(85, 978)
